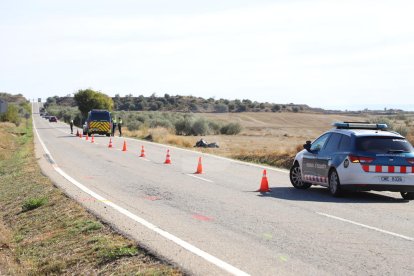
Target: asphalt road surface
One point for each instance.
(215, 223)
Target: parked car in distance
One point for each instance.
(53, 119)
(356, 156)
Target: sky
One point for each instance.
(352, 54)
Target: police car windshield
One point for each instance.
(100, 116)
(375, 144)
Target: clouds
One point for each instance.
(281, 51)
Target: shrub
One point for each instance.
(160, 122)
(214, 127)
(133, 125)
(221, 108)
(231, 129)
(383, 120)
(200, 127)
(184, 126)
(275, 108)
(403, 130)
(11, 115)
(33, 203)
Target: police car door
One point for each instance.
(309, 158)
(325, 157)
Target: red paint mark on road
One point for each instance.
(201, 217)
(153, 198)
(88, 177)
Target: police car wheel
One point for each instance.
(334, 185)
(407, 195)
(296, 178)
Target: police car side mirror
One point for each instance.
(307, 146)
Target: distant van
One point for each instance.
(98, 122)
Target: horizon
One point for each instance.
(370, 107)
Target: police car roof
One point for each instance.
(368, 132)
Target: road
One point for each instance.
(215, 223)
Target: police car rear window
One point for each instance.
(100, 116)
(375, 144)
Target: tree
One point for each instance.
(89, 99)
(275, 108)
(221, 108)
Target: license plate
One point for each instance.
(391, 179)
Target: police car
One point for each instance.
(356, 156)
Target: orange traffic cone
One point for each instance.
(199, 167)
(142, 152)
(168, 158)
(124, 148)
(93, 139)
(77, 132)
(87, 137)
(264, 185)
(110, 143)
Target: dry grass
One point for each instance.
(268, 138)
(160, 135)
(58, 236)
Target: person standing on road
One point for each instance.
(120, 126)
(71, 126)
(113, 126)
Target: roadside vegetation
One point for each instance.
(43, 232)
(18, 108)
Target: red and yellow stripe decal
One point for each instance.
(100, 126)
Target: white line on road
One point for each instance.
(367, 226)
(206, 256)
(195, 176)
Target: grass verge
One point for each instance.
(43, 232)
(280, 159)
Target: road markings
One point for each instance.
(201, 217)
(195, 250)
(267, 236)
(368, 227)
(204, 179)
(152, 198)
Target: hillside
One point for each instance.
(16, 99)
(190, 104)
